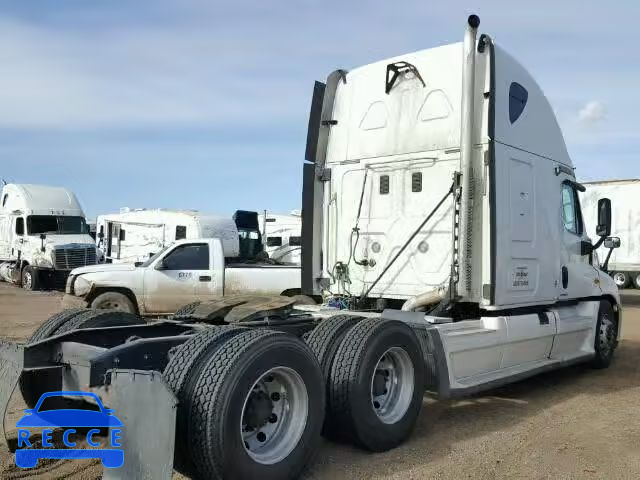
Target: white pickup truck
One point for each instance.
(184, 272)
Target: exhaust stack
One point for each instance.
(466, 154)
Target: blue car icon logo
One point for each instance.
(47, 420)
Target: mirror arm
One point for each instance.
(605, 265)
(599, 242)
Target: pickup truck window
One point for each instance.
(188, 257)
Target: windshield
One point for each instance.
(151, 259)
(55, 224)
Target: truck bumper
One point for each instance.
(71, 301)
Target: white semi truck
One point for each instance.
(440, 211)
(43, 235)
(624, 264)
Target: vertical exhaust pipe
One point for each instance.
(466, 152)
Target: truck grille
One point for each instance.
(70, 258)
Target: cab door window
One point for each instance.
(571, 215)
(188, 257)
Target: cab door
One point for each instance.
(173, 280)
(577, 279)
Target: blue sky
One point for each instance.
(204, 104)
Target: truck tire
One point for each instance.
(606, 336)
(183, 360)
(636, 280)
(621, 279)
(257, 408)
(377, 384)
(33, 385)
(326, 337)
(54, 322)
(185, 311)
(100, 318)
(30, 278)
(114, 301)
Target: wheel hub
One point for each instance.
(392, 385)
(259, 409)
(274, 415)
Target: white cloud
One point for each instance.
(593, 112)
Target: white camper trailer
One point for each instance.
(43, 235)
(281, 235)
(624, 264)
(135, 235)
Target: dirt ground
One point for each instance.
(572, 423)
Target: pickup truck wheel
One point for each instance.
(257, 408)
(606, 334)
(186, 310)
(184, 362)
(113, 301)
(377, 383)
(33, 385)
(100, 318)
(621, 279)
(30, 278)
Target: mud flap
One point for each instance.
(11, 362)
(146, 406)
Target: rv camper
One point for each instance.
(135, 235)
(282, 238)
(43, 235)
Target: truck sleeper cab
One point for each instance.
(441, 215)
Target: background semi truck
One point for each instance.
(440, 212)
(624, 264)
(43, 235)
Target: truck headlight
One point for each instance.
(81, 286)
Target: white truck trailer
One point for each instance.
(43, 235)
(624, 264)
(440, 206)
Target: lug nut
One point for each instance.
(261, 437)
(275, 396)
(273, 418)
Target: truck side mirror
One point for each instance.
(612, 242)
(604, 218)
(42, 239)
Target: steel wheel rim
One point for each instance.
(620, 279)
(271, 426)
(606, 336)
(27, 281)
(392, 385)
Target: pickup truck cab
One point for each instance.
(184, 272)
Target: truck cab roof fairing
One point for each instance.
(535, 129)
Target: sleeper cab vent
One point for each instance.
(384, 184)
(416, 182)
(518, 96)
